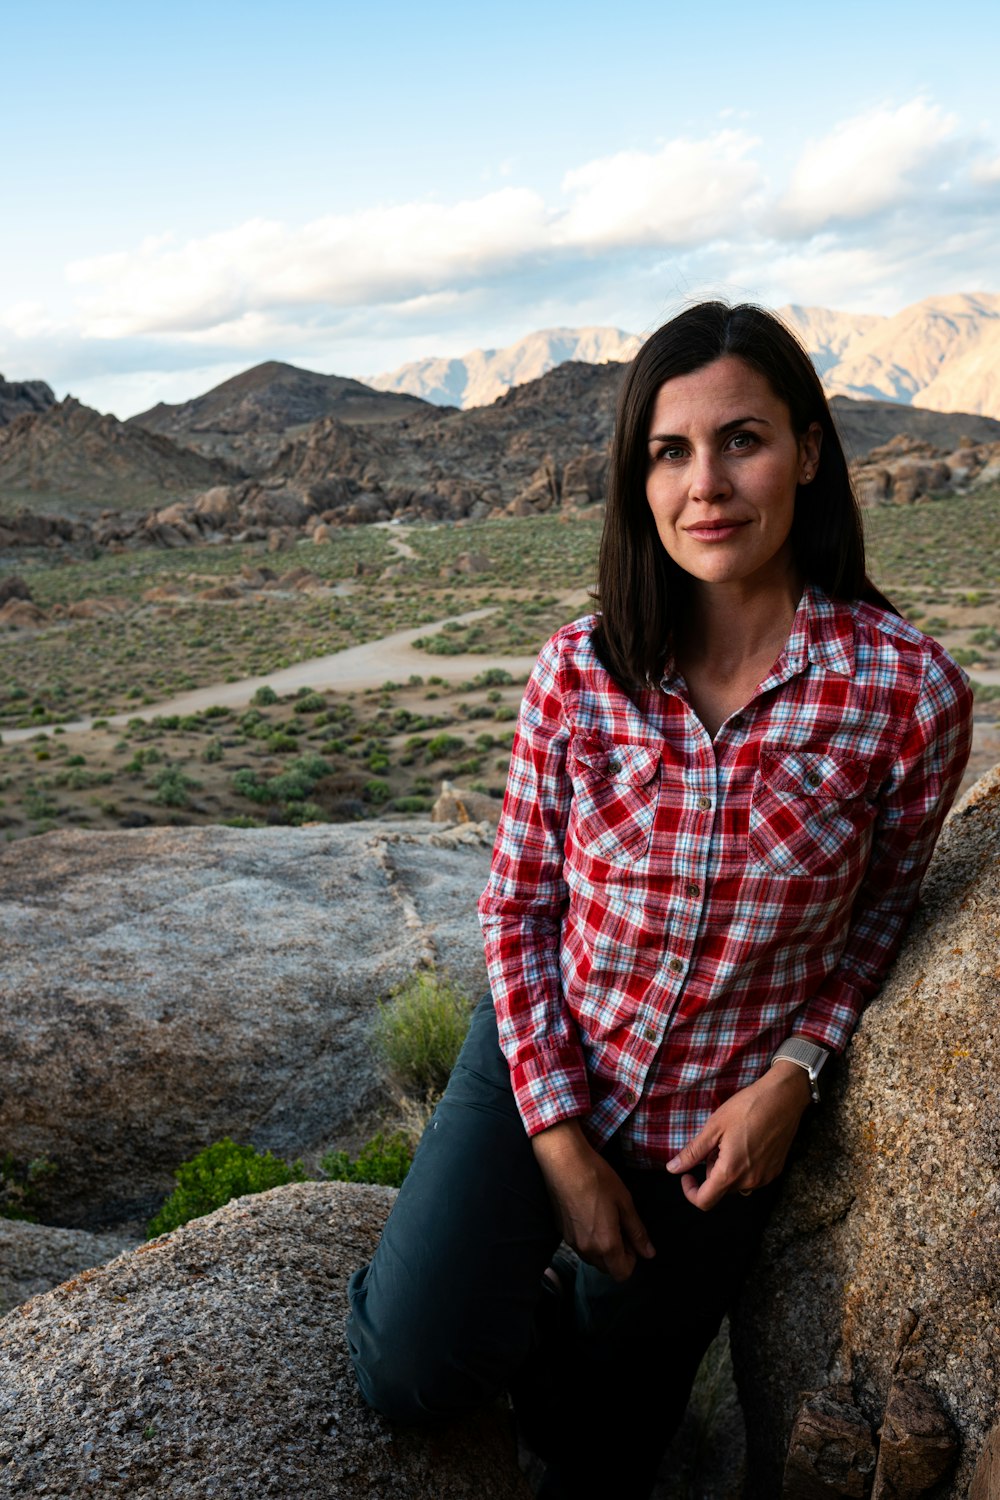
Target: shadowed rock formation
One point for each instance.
(162, 989)
(879, 1275)
(212, 1362)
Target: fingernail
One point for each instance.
(675, 1165)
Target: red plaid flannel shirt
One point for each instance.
(663, 911)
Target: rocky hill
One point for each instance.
(19, 398)
(542, 446)
(71, 455)
(238, 420)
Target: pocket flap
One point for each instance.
(627, 765)
(812, 773)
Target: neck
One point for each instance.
(735, 624)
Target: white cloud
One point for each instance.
(860, 224)
(685, 192)
(866, 165)
(218, 285)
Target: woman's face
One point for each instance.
(723, 468)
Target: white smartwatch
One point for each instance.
(805, 1055)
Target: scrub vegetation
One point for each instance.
(335, 756)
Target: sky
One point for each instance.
(190, 190)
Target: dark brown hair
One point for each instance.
(640, 589)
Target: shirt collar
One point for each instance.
(822, 635)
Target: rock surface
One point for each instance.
(35, 1257)
(161, 989)
(212, 1363)
(883, 1259)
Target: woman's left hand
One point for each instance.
(745, 1142)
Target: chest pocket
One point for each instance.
(808, 813)
(615, 793)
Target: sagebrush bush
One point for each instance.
(385, 1160)
(20, 1186)
(420, 1029)
(217, 1175)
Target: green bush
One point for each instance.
(172, 786)
(264, 696)
(443, 745)
(311, 703)
(20, 1184)
(385, 1160)
(217, 1175)
(420, 1029)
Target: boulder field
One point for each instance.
(162, 989)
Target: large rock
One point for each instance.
(212, 1363)
(882, 1263)
(35, 1257)
(164, 988)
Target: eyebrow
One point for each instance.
(674, 437)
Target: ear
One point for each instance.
(809, 445)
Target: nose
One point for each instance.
(709, 477)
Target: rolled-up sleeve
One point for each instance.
(912, 807)
(522, 909)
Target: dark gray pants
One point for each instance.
(451, 1310)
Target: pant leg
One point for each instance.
(446, 1310)
(640, 1342)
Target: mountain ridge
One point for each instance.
(942, 353)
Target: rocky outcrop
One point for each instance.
(877, 1287)
(73, 452)
(20, 398)
(212, 1363)
(161, 989)
(35, 1257)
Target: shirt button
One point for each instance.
(692, 890)
(628, 1096)
(676, 965)
(614, 766)
(703, 804)
(737, 721)
(650, 1033)
(813, 778)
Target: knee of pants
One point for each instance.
(409, 1372)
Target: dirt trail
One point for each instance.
(392, 658)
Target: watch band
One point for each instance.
(805, 1055)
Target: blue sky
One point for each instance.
(189, 190)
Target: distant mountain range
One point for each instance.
(942, 354)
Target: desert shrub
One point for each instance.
(311, 703)
(376, 790)
(413, 804)
(420, 1029)
(171, 787)
(264, 696)
(213, 751)
(20, 1185)
(280, 744)
(385, 1160)
(443, 745)
(217, 1175)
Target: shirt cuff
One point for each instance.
(549, 1086)
(830, 1016)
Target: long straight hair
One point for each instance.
(641, 591)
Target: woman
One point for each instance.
(724, 790)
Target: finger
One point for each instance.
(704, 1195)
(620, 1263)
(698, 1149)
(634, 1232)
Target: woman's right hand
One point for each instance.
(594, 1206)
